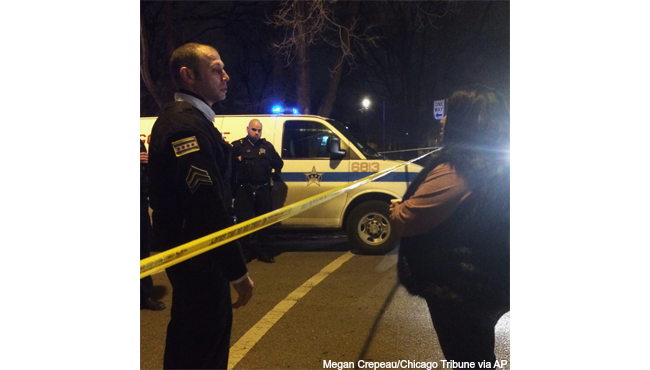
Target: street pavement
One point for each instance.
(358, 312)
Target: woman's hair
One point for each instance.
(478, 119)
(476, 137)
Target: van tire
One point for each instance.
(369, 229)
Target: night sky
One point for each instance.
(405, 56)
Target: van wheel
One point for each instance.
(368, 228)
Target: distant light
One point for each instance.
(278, 109)
(407, 134)
(365, 103)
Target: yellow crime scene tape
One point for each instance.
(159, 262)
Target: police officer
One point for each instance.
(254, 158)
(189, 190)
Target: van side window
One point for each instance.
(305, 139)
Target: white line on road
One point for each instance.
(254, 334)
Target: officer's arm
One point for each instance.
(276, 162)
(203, 205)
(200, 182)
(236, 149)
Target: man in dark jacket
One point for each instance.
(189, 171)
(255, 159)
(146, 283)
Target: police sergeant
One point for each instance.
(190, 192)
(254, 159)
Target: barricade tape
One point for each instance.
(159, 262)
(410, 150)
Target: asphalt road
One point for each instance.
(357, 312)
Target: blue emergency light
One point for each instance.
(278, 109)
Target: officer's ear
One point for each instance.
(187, 75)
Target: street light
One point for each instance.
(365, 103)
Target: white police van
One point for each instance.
(321, 154)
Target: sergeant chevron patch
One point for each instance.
(197, 177)
(184, 146)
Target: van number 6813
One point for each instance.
(365, 167)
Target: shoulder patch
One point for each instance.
(197, 177)
(185, 146)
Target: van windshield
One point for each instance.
(363, 147)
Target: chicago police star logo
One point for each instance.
(313, 177)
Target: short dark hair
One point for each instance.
(188, 56)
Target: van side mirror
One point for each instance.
(334, 147)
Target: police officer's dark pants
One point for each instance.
(146, 284)
(198, 335)
(251, 202)
(465, 333)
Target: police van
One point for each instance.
(320, 154)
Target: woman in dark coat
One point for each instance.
(454, 221)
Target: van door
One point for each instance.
(310, 170)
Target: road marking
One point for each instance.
(254, 334)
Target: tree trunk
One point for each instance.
(144, 66)
(302, 60)
(277, 96)
(327, 103)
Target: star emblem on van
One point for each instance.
(313, 177)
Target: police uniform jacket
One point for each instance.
(189, 174)
(254, 161)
